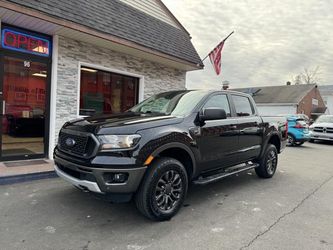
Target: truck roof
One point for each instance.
(208, 91)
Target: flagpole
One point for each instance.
(219, 44)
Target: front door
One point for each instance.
(23, 103)
(218, 142)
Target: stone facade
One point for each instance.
(157, 77)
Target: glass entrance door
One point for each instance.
(23, 108)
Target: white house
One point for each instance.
(287, 99)
(326, 92)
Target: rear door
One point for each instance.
(218, 139)
(249, 125)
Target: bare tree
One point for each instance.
(297, 79)
(308, 76)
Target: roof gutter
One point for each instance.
(81, 28)
(276, 104)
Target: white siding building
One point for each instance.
(327, 94)
(276, 109)
(287, 99)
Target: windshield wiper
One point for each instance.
(153, 112)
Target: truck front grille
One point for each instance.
(79, 146)
(323, 130)
(318, 129)
(77, 143)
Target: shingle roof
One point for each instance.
(278, 94)
(121, 20)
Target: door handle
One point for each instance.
(3, 107)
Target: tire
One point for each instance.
(163, 189)
(268, 162)
(312, 140)
(291, 140)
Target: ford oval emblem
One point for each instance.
(70, 142)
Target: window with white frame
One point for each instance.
(103, 92)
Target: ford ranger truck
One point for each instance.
(154, 150)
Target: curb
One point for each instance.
(5, 180)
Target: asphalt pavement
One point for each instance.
(293, 210)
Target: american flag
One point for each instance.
(215, 57)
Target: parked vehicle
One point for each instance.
(300, 116)
(155, 149)
(298, 131)
(322, 128)
(308, 120)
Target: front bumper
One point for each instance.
(94, 179)
(81, 184)
(321, 136)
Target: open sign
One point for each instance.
(19, 41)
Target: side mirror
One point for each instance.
(213, 114)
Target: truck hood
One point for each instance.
(124, 123)
(322, 124)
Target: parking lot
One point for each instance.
(294, 210)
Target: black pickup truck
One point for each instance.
(154, 150)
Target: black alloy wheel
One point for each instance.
(168, 190)
(271, 162)
(163, 189)
(268, 162)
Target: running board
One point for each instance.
(224, 174)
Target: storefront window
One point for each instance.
(104, 92)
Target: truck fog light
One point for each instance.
(111, 178)
(119, 178)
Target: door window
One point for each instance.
(242, 105)
(219, 101)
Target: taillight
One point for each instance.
(298, 126)
(286, 125)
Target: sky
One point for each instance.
(273, 40)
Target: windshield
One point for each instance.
(325, 118)
(176, 103)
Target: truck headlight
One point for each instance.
(109, 142)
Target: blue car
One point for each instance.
(298, 131)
